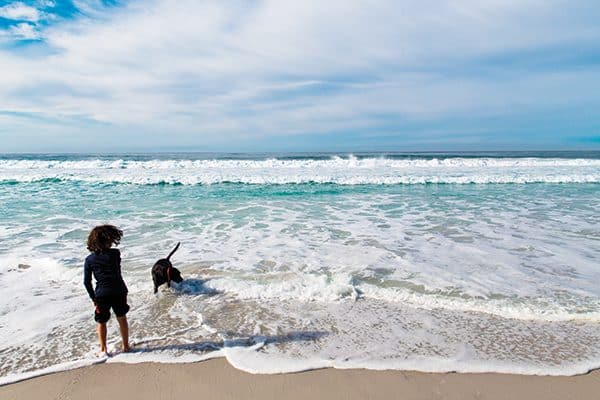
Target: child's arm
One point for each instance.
(118, 255)
(87, 280)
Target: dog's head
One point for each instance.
(174, 274)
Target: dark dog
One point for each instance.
(163, 271)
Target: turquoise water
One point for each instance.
(435, 262)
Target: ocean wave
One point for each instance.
(343, 171)
(349, 162)
(321, 289)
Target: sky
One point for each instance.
(279, 75)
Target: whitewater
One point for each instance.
(338, 170)
(432, 262)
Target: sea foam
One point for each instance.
(289, 277)
(344, 171)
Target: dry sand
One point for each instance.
(216, 379)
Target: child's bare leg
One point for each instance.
(124, 328)
(102, 336)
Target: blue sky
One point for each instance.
(93, 75)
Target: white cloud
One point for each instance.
(286, 67)
(20, 12)
(24, 31)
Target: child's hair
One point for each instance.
(102, 237)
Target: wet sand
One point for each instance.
(216, 379)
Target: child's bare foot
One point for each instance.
(126, 349)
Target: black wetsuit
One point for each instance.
(111, 291)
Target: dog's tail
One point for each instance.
(174, 250)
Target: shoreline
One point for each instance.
(217, 379)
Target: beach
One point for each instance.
(216, 379)
(470, 263)
(299, 200)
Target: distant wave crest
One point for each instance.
(344, 171)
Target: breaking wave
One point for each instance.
(337, 170)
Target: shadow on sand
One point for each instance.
(195, 287)
(237, 342)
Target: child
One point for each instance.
(111, 292)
